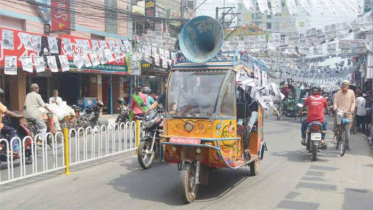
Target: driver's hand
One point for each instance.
(20, 116)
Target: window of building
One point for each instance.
(12, 23)
(269, 5)
(301, 24)
(283, 4)
(269, 25)
(269, 16)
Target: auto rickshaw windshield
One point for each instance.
(194, 93)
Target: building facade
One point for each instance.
(101, 20)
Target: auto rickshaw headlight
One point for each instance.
(188, 126)
(198, 150)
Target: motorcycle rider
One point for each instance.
(344, 100)
(316, 105)
(5, 129)
(31, 109)
(138, 103)
(160, 100)
(149, 100)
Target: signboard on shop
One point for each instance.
(150, 12)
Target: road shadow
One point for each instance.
(144, 184)
(302, 156)
(357, 199)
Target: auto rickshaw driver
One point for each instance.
(200, 98)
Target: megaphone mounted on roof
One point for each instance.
(201, 39)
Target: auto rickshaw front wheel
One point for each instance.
(255, 167)
(187, 185)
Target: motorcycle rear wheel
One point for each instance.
(314, 152)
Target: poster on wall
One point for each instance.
(95, 46)
(64, 63)
(109, 55)
(36, 43)
(94, 59)
(135, 67)
(10, 65)
(86, 46)
(102, 56)
(39, 64)
(26, 40)
(78, 61)
(52, 63)
(87, 62)
(8, 39)
(52, 43)
(27, 64)
(67, 46)
(103, 45)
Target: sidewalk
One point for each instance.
(108, 119)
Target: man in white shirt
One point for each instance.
(32, 106)
(55, 99)
(361, 111)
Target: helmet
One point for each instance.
(120, 100)
(315, 89)
(146, 90)
(1, 92)
(100, 103)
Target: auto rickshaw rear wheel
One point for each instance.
(187, 187)
(255, 167)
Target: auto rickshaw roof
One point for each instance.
(240, 60)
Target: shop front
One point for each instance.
(78, 68)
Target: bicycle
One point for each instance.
(341, 134)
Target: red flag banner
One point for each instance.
(60, 12)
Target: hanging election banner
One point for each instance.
(320, 35)
(52, 63)
(39, 64)
(8, 39)
(52, 44)
(345, 46)
(330, 32)
(342, 29)
(276, 7)
(260, 41)
(317, 50)
(331, 48)
(358, 47)
(274, 39)
(27, 64)
(293, 37)
(248, 4)
(249, 42)
(36, 43)
(64, 63)
(306, 5)
(10, 67)
(263, 7)
(360, 6)
(292, 7)
(311, 36)
(317, 5)
(26, 40)
(366, 23)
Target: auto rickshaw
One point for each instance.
(210, 120)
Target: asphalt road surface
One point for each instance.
(288, 180)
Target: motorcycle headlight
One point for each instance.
(149, 124)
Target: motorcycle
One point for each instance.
(314, 132)
(123, 112)
(89, 116)
(22, 132)
(150, 144)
